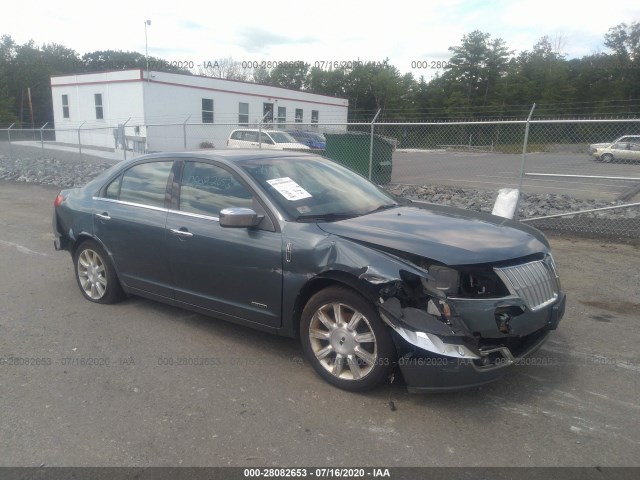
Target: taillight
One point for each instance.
(59, 199)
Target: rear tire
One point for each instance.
(95, 274)
(345, 340)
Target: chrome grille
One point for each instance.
(534, 282)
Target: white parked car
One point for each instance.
(620, 151)
(270, 140)
(624, 139)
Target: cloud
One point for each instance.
(258, 40)
(191, 25)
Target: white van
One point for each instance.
(271, 140)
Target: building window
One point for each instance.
(65, 106)
(314, 116)
(99, 112)
(282, 115)
(298, 115)
(243, 113)
(207, 110)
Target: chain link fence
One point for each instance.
(579, 176)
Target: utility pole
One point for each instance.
(146, 46)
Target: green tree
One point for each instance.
(327, 82)
(226, 68)
(624, 41)
(289, 75)
(475, 68)
(103, 60)
(8, 111)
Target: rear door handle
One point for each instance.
(103, 216)
(182, 232)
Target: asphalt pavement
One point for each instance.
(144, 384)
(492, 171)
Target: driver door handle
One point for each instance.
(181, 232)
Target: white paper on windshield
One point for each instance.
(289, 189)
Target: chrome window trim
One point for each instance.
(195, 215)
(160, 209)
(131, 204)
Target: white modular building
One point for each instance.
(158, 111)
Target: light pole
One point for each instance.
(146, 46)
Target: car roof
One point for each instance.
(265, 130)
(227, 155)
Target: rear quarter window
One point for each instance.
(146, 183)
(113, 189)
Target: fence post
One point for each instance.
(9, 137)
(371, 143)
(42, 139)
(124, 125)
(260, 130)
(524, 153)
(184, 132)
(80, 142)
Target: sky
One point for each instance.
(405, 32)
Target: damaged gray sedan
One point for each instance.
(296, 245)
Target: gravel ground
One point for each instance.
(531, 204)
(70, 171)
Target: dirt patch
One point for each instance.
(622, 308)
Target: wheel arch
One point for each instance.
(329, 279)
(84, 236)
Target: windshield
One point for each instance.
(282, 137)
(316, 189)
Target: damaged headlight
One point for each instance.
(466, 282)
(447, 279)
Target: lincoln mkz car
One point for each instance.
(293, 244)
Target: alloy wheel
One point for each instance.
(343, 341)
(92, 274)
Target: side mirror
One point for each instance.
(238, 217)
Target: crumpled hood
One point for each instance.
(447, 235)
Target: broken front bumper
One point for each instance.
(435, 363)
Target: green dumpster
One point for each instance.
(351, 149)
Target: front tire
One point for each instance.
(95, 274)
(345, 340)
(607, 158)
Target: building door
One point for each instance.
(267, 112)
